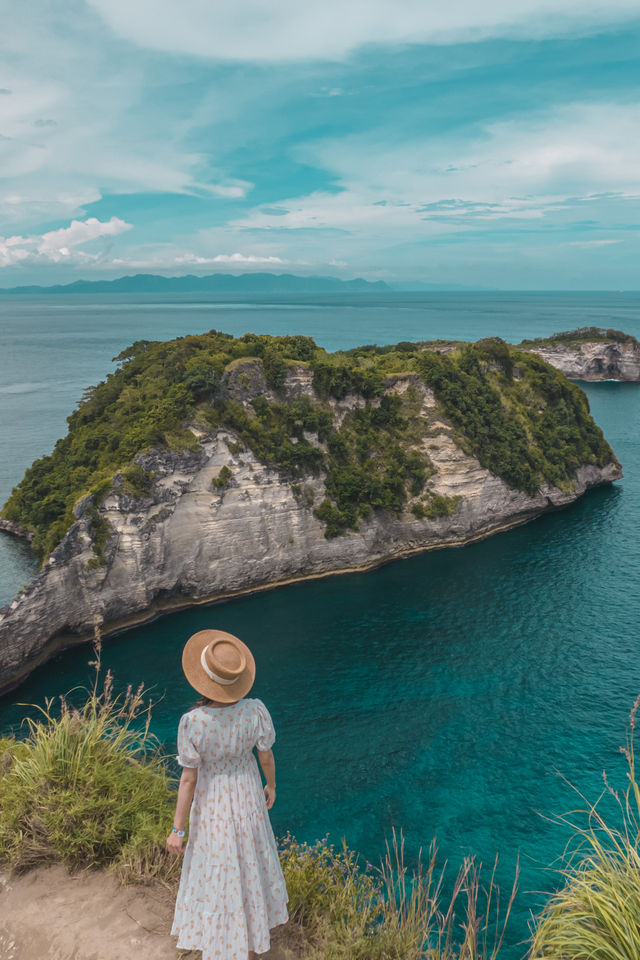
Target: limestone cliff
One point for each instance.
(592, 360)
(198, 535)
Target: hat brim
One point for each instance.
(202, 682)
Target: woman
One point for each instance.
(232, 891)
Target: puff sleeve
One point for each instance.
(188, 755)
(265, 732)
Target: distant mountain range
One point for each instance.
(214, 283)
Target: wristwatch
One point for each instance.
(180, 833)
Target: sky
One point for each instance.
(491, 144)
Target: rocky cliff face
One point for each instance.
(597, 360)
(194, 541)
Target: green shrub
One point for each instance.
(528, 430)
(221, 482)
(87, 787)
(435, 506)
(388, 913)
(136, 480)
(371, 465)
(101, 531)
(276, 433)
(596, 913)
(338, 376)
(235, 446)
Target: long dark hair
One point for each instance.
(202, 702)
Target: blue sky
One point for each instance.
(488, 145)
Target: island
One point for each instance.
(590, 353)
(214, 284)
(209, 466)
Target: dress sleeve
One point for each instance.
(188, 755)
(265, 733)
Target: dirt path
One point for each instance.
(49, 914)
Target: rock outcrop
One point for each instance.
(592, 360)
(194, 540)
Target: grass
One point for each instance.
(88, 787)
(389, 912)
(596, 911)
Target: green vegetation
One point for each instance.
(276, 431)
(87, 787)
(388, 913)
(136, 480)
(581, 335)
(221, 482)
(596, 912)
(435, 506)
(523, 420)
(337, 376)
(101, 529)
(526, 428)
(371, 464)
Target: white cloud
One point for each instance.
(294, 30)
(527, 169)
(591, 243)
(35, 203)
(84, 120)
(169, 258)
(58, 246)
(232, 190)
(80, 231)
(240, 258)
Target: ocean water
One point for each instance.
(452, 695)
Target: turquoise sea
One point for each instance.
(451, 694)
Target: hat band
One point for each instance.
(211, 674)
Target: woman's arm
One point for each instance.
(268, 764)
(186, 790)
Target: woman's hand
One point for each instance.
(270, 796)
(174, 844)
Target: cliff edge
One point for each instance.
(269, 468)
(590, 353)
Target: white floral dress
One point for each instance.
(232, 891)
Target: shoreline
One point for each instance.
(15, 530)
(62, 642)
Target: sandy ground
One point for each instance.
(48, 914)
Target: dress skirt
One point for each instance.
(232, 890)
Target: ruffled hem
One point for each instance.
(212, 945)
(232, 891)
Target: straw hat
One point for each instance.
(218, 665)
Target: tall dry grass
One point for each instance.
(391, 912)
(596, 913)
(87, 786)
